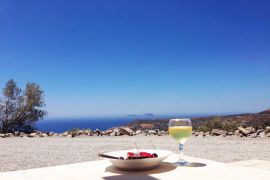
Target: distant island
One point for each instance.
(149, 114)
(145, 114)
(132, 115)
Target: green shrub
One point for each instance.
(218, 123)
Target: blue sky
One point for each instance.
(101, 58)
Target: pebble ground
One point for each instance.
(25, 153)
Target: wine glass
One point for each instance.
(180, 130)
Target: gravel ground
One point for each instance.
(25, 153)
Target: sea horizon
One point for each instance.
(62, 124)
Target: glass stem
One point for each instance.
(181, 152)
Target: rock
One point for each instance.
(108, 132)
(80, 132)
(230, 134)
(51, 134)
(2, 135)
(163, 132)
(65, 133)
(151, 132)
(138, 132)
(8, 134)
(262, 134)
(244, 131)
(97, 132)
(201, 134)
(254, 135)
(116, 132)
(259, 131)
(32, 135)
(127, 131)
(22, 134)
(268, 135)
(251, 129)
(90, 133)
(43, 135)
(218, 132)
(69, 135)
(267, 130)
(237, 133)
(206, 134)
(17, 133)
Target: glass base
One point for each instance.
(182, 163)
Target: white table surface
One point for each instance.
(102, 169)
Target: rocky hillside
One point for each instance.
(257, 120)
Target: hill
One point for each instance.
(228, 122)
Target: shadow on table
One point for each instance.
(142, 175)
(129, 177)
(196, 164)
(163, 167)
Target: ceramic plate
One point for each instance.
(138, 164)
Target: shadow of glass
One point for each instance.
(195, 164)
(163, 167)
(125, 177)
(190, 164)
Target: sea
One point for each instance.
(101, 123)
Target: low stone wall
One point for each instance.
(126, 131)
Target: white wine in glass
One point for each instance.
(180, 130)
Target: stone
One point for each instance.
(22, 134)
(254, 135)
(32, 135)
(43, 135)
(268, 135)
(163, 132)
(244, 131)
(196, 134)
(65, 133)
(51, 134)
(90, 133)
(218, 132)
(116, 132)
(108, 132)
(262, 134)
(259, 131)
(2, 135)
(230, 134)
(127, 131)
(97, 132)
(151, 132)
(267, 129)
(80, 132)
(251, 129)
(201, 134)
(9, 134)
(17, 133)
(138, 132)
(69, 135)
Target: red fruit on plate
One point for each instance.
(145, 154)
(130, 154)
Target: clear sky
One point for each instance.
(123, 57)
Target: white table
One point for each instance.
(102, 169)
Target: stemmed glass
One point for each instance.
(180, 130)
